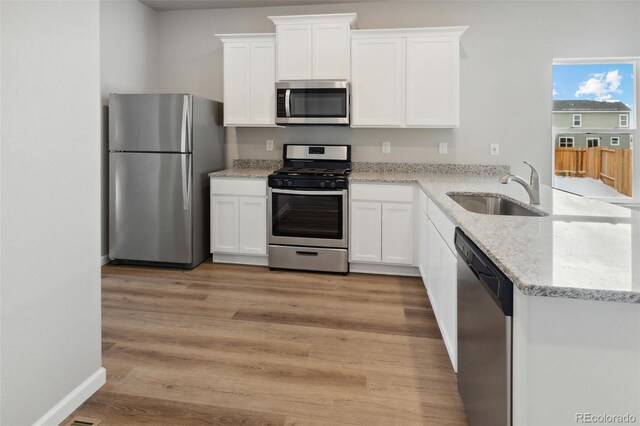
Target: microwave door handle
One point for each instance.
(287, 107)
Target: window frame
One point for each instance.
(617, 138)
(566, 142)
(573, 120)
(593, 139)
(626, 116)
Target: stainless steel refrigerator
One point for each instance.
(161, 149)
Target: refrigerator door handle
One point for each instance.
(186, 182)
(185, 134)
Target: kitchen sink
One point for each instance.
(493, 204)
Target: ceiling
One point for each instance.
(162, 5)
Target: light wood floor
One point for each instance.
(231, 345)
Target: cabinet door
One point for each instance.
(432, 81)
(377, 82)
(366, 227)
(397, 233)
(330, 51)
(294, 52)
(448, 314)
(252, 226)
(434, 268)
(224, 224)
(263, 70)
(423, 263)
(237, 90)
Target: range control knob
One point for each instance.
(322, 184)
(333, 185)
(289, 183)
(279, 182)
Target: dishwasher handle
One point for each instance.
(493, 279)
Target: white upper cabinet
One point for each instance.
(406, 77)
(377, 84)
(294, 50)
(313, 47)
(432, 81)
(249, 79)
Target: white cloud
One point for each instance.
(593, 86)
(601, 86)
(555, 92)
(613, 79)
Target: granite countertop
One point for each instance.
(585, 249)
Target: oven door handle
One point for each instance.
(293, 192)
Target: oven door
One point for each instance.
(308, 218)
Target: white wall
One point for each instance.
(128, 64)
(50, 211)
(506, 58)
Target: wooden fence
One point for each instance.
(610, 165)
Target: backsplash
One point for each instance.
(436, 168)
(257, 164)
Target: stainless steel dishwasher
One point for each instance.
(485, 307)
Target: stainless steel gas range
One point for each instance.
(308, 209)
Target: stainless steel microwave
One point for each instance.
(312, 103)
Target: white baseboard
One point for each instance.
(240, 259)
(104, 259)
(69, 403)
(380, 269)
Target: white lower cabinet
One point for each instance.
(434, 269)
(449, 304)
(397, 233)
(366, 232)
(252, 225)
(423, 244)
(238, 218)
(438, 267)
(224, 224)
(382, 224)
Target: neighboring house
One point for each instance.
(590, 114)
(588, 140)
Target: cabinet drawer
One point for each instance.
(445, 227)
(423, 200)
(382, 192)
(254, 187)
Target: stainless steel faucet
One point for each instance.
(533, 189)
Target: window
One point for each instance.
(565, 142)
(577, 120)
(624, 120)
(593, 142)
(594, 108)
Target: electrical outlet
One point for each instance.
(386, 147)
(443, 148)
(269, 145)
(495, 149)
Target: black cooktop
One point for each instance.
(312, 171)
(313, 167)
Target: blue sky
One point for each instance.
(604, 82)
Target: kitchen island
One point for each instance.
(576, 275)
